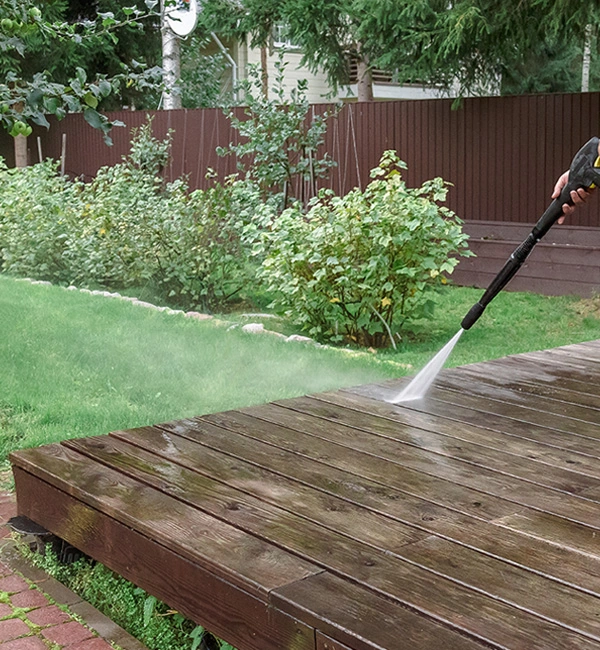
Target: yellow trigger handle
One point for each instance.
(596, 164)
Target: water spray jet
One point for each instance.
(584, 172)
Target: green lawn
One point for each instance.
(74, 364)
(512, 323)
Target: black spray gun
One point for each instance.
(583, 172)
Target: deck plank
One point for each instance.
(566, 365)
(374, 418)
(362, 620)
(322, 472)
(517, 378)
(470, 475)
(467, 410)
(493, 388)
(244, 560)
(482, 406)
(430, 592)
(326, 643)
(538, 449)
(387, 473)
(338, 521)
(230, 612)
(537, 368)
(272, 487)
(359, 525)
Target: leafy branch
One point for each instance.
(24, 102)
(279, 138)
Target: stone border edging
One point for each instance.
(250, 328)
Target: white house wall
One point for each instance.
(318, 89)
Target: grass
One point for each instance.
(512, 323)
(76, 365)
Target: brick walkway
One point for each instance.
(30, 618)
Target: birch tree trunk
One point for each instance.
(171, 61)
(20, 144)
(587, 57)
(20, 148)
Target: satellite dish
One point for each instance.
(182, 16)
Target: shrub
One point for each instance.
(356, 268)
(112, 244)
(205, 251)
(129, 228)
(38, 209)
(191, 248)
(146, 153)
(280, 140)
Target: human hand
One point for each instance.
(579, 196)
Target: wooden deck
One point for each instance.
(467, 520)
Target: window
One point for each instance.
(281, 40)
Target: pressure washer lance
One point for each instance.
(583, 172)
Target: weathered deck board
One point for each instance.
(469, 519)
(324, 474)
(360, 618)
(363, 529)
(387, 456)
(516, 462)
(535, 447)
(231, 611)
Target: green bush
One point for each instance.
(130, 228)
(205, 251)
(355, 268)
(38, 210)
(280, 138)
(112, 243)
(191, 247)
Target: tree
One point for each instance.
(280, 141)
(329, 33)
(325, 30)
(202, 75)
(60, 57)
(171, 61)
(469, 43)
(30, 92)
(253, 19)
(553, 66)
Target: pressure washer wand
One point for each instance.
(583, 172)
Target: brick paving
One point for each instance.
(31, 613)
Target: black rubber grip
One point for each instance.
(473, 316)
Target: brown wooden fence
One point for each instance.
(502, 154)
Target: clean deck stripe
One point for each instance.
(469, 519)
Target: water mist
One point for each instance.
(420, 384)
